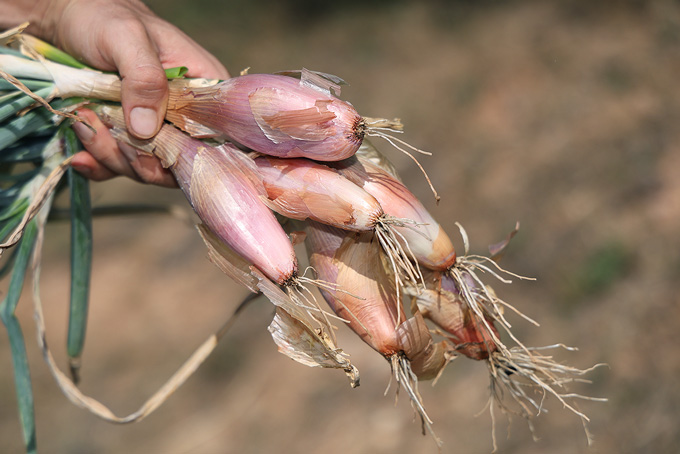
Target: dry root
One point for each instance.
(524, 374)
(405, 378)
(481, 299)
(527, 376)
(385, 129)
(401, 260)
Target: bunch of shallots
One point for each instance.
(248, 148)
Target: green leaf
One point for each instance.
(10, 97)
(22, 377)
(81, 251)
(8, 196)
(20, 127)
(9, 262)
(59, 56)
(37, 120)
(10, 109)
(176, 72)
(17, 208)
(9, 227)
(10, 51)
(31, 84)
(28, 150)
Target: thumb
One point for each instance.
(144, 93)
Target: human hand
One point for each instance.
(125, 36)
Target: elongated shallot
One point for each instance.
(303, 189)
(426, 238)
(296, 114)
(226, 192)
(353, 262)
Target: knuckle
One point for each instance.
(147, 81)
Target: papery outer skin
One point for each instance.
(274, 115)
(357, 270)
(429, 243)
(447, 310)
(431, 361)
(169, 145)
(367, 151)
(301, 189)
(299, 336)
(230, 207)
(427, 358)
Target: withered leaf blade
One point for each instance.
(293, 332)
(227, 260)
(498, 249)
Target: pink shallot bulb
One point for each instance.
(426, 239)
(364, 298)
(224, 193)
(470, 335)
(273, 114)
(352, 262)
(301, 189)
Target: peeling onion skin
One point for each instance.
(427, 358)
(272, 114)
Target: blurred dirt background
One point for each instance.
(561, 115)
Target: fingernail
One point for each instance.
(129, 152)
(84, 133)
(143, 122)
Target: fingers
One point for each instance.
(178, 49)
(102, 145)
(108, 158)
(88, 166)
(126, 37)
(144, 93)
(148, 168)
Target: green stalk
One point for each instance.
(9, 263)
(8, 196)
(22, 377)
(20, 127)
(26, 151)
(9, 226)
(52, 53)
(10, 51)
(10, 109)
(10, 97)
(33, 121)
(16, 208)
(81, 257)
(31, 84)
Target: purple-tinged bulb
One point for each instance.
(272, 114)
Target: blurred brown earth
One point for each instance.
(561, 115)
